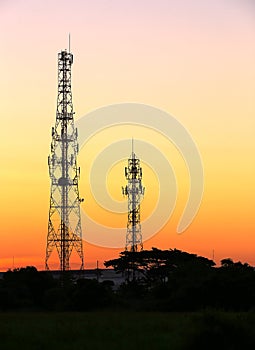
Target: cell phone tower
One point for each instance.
(134, 191)
(64, 226)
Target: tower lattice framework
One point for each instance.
(135, 192)
(64, 225)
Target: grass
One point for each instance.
(124, 330)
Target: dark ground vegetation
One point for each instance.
(156, 280)
(170, 300)
(127, 330)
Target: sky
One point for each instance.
(193, 59)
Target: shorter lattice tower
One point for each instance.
(135, 192)
(64, 226)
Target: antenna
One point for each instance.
(64, 225)
(134, 192)
(69, 42)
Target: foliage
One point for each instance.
(156, 280)
(173, 280)
(125, 330)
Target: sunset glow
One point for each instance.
(192, 59)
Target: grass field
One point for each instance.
(124, 330)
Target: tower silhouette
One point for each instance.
(134, 191)
(64, 225)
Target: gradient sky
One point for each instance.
(194, 59)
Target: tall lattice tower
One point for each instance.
(64, 226)
(134, 191)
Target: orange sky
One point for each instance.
(194, 60)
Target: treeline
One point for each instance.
(172, 280)
(29, 289)
(155, 280)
